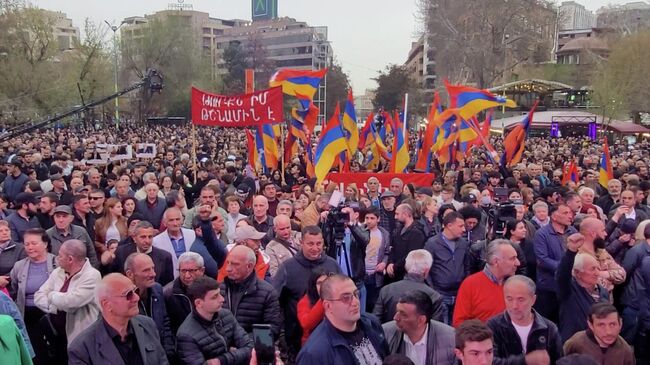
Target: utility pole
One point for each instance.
(115, 28)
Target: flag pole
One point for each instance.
(406, 106)
(194, 157)
(282, 148)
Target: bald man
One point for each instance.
(260, 219)
(140, 269)
(113, 338)
(251, 299)
(283, 246)
(610, 272)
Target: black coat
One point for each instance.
(154, 307)
(178, 303)
(575, 301)
(359, 237)
(162, 261)
(401, 244)
(253, 301)
(199, 340)
(543, 335)
(389, 295)
(290, 282)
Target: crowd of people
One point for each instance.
(163, 260)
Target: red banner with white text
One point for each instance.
(259, 107)
(360, 179)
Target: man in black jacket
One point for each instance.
(541, 344)
(408, 236)
(179, 306)
(418, 263)
(143, 243)
(250, 299)
(210, 332)
(290, 281)
(350, 252)
(450, 261)
(139, 268)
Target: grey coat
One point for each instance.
(19, 279)
(440, 342)
(385, 307)
(76, 232)
(94, 346)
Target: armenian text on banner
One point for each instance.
(360, 179)
(259, 107)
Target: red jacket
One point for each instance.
(309, 317)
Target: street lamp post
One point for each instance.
(114, 28)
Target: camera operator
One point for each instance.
(346, 241)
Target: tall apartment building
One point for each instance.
(627, 18)
(421, 64)
(575, 16)
(66, 34)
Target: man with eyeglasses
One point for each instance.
(96, 198)
(346, 335)
(190, 267)
(139, 268)
(120, 335)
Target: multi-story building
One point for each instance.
(421, 64)
(363, 105)
(575, 16)
(288, 43)
(626, 18)
(66, 34)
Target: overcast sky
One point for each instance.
(366, 35)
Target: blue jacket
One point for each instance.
(14, 185)
(575, 301)
(326, 345)
(158, 312)
(8, 307)
(549, 247)
(643, 294)
(211, 249)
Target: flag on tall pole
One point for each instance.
(400, 151)
(349, 125)
(332, 142)
(606, 171)
(295, 82)
(423, 162)
(253, 156)
(514, 143)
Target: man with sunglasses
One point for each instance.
(346, 335)
(120, 335)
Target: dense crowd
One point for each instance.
(161, 260)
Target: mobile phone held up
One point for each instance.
(264, 346)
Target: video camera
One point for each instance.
(499, 215)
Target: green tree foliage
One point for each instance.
(38, 79)
(620, 87)
(236, 63)
(169, 45)
(393, 83)
(336, 89)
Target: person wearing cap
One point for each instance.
(387, 211)
(422, 192)
(15, 180)
(59, 188)
(250, 237)
(24, 217)
(64, 230)
(618, 246)
(252, 300)
(474, 229)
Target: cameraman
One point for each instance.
(346, 241)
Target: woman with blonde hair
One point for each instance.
(428, 217)
(113, 225)
(352, 193)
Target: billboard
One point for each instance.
(264, 9)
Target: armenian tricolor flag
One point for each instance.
(295, 82)
(423, 162)
(332, 142)
(253, 156)
(606, 171)
(471, 101)
(514, 143)
(349, 125)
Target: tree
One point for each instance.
(620, 85)
(393, 84)
(235, 61)
(482, 41)
(336, 88)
